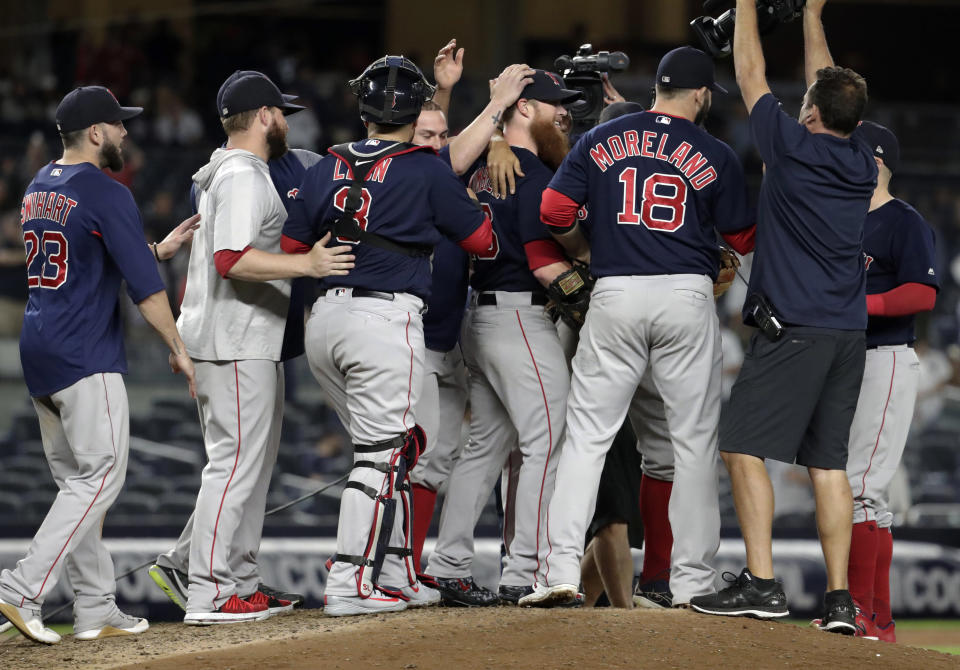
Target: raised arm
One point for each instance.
(748, 58)
(466, 147)
(816, 54)
(447, 69)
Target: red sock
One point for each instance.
(424, 500)
(881, 582)
(863, 563)
(657, 534)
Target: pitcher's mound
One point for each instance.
(462, 639)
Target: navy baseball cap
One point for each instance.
(882, 142)
(617, 109)
(548, 87)
(248, 89)
(686, 67)
(82, 107)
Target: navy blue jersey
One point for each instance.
(448, 291)
(448, 297)
(516, 221)
(658, 188)
(83, 236)
(814, 199)
(898, 248)
(287, 173)
(412, 198)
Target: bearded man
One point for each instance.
(518, 372)
(233, 319)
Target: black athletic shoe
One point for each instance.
(277, 594)
(465, 592)
(509, 595)
(839, 613)
(743, 598)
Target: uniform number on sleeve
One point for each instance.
(494, 250)
(360, 216)
(663, 201)
(53, 269)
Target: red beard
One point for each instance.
(552, 143)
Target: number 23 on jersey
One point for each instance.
(52, 248)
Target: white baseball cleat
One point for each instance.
(350, 605)
(419, 595)
(115, 625)
(29, 622)
(550, 596)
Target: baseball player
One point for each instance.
(518, 376)
(795, 396)
(444, 395)
(394, 201)
(171, 568)
(233, 317)
(659, 188)
(898, 247)
(83, 236)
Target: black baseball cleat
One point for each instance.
(465, 592)
(744, 597)
(839, 613)
(277, 594)
(511, 595)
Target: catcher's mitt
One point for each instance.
(569, 295)
(729, 262)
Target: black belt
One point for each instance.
(877, 346)
(488, 299)
(364, 293)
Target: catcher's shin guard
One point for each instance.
(375, 477)
(401, 537)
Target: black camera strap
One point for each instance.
(346, 226)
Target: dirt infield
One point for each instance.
(447, 639)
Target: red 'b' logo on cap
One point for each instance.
(555, 78)
(113, 96)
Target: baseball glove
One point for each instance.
(729, 262)
(569, 295)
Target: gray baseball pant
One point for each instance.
(85, 429)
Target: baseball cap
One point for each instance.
(82, 107)
(548, 87)
(686, 67)
(248, 89)
(882, 142)
(617, 109)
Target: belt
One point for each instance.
(364, 293)
(877, 346)
(490, 299)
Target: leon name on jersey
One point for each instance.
(650, 144)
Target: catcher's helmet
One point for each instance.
(391, 91)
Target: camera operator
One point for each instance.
(796, 393)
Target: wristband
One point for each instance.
(155, 253)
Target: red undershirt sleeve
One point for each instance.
(903, 300)
(742, 241)
(479, 240)
(292, 246)
(227, 258)
(558, 210)
(543, 252)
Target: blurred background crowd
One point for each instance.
(171, 58)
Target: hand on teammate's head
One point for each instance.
(506, 88)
